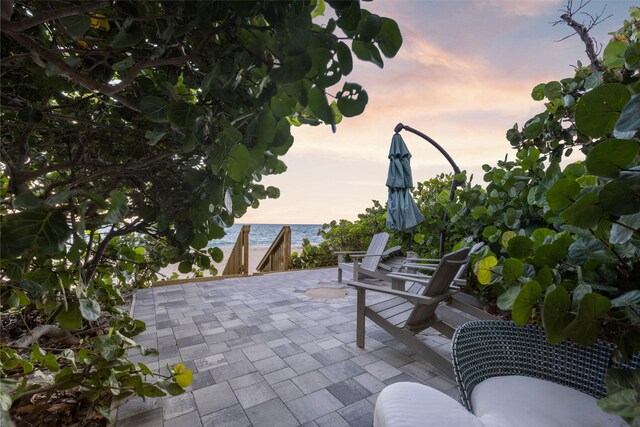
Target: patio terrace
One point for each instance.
(264, 353)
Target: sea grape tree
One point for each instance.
(134, 132)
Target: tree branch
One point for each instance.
(135, 70)
(52, 14)
(583, 32)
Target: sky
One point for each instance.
(463, 76)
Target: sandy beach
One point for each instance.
(255, 256)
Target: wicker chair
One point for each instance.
(486, 349)
(515, 373)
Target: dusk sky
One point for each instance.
(463, 76)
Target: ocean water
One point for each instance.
(263, 234)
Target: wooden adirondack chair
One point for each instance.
(368, 263)
(410, 312)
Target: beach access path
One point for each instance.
(264, 353)
(256, 253)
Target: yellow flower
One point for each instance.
(98, 23)
(184, 376)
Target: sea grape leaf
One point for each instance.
(585, 328)
(587, 248)
(367, 51)
(623, 230)
(293, 68)
(238, 162)
(42, 229)
(90, 309)
(319, 105)
(389, 38)
(629, 120)
(549, 254)
(598, 111)
(482, 269)
(520, 247)
(512, 269)
(622, 196)
(507, 298)
(154, 108)
(525, 301)
(555, 314)
(585, 212)
(109, 346)
(118, 207)
(613, 55)
(611, 156)
(352, 99)
(182, 114)
(71, 317)
(562, 193)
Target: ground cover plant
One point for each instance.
(133, 133)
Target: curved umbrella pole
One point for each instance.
(454, 183)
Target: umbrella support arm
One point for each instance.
(454, 183)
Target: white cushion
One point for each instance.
(412, 404)
(529, 402)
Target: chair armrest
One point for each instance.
(420, 266)
(392, 250)
(416, 299)
(411, 277)
(349, 252)
(428, 260)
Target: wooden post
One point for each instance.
(278, 256)
(360, 318)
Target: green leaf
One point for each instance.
(216, 254)
(549, 255)
(266, 127)
(585, 212)
(555, 314)
(43, 230)
(520, 247)
(71, 318)
(622, 196)
(238, 162)
(538, 92)
(109, 346)
(623, 403)
(611, 156)
(632, 56)
(230, 135)
(154, 136)
(352, 99)
(389, 39)
(367, 51)
(30, 115)
(118, 207)
(124, 65)
(28, 200)
(185, 267)
(587, 248)
(553, 90)
(585, 328)
(512, 269)
(525, 301)
(483, 269)
(293, 69)
(613, 55)
(629, 120)
(507, 298)
(199, 241)
(622, 232)
(90, 309)
(319, 105)
(154, 108)
(76, 25)
(598, 111)
(562, 193)
(345, 59)
(182, 114)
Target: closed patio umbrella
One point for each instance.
(402, 211)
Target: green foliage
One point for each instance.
(564, 242)
(341, 235)
(135, 132)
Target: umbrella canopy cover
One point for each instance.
(402, 211)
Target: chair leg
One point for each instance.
(339, 275)
(360, 318)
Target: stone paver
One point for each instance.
(265, 354)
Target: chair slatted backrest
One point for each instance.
(375, 249)
(441, 280)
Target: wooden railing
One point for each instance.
(238, 262)
(278, 256)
